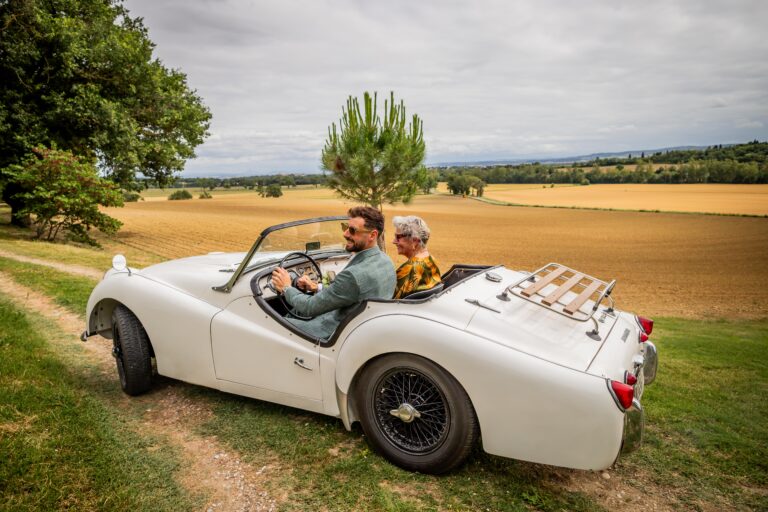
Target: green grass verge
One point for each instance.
(331, 469)
(62, 447)
(707, 414)
(21, 242)
(705, 443)
(67, 290)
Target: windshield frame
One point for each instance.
(226, 288)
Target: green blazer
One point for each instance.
(370, 275)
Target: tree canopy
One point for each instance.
(374, 160)
(79, 75)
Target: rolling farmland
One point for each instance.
(722, 199)
(685, 265)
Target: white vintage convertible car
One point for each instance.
(538, 364)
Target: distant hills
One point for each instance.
(568, 159)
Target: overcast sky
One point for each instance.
(490, 79)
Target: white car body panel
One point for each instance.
(537, 381)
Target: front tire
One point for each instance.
(416, 414)
(130, 347)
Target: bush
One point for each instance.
(61, 193)
(584, 181)
(205, 195)
(131, 197)
(274, 190)
(179, 195)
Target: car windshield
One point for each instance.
(306, 236)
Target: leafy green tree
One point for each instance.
(80, 75)
(273, 190)
(427, 180)
(476, 183)
(61, 194)
(374, 160)
(459, 184)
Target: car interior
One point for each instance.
(329, 266)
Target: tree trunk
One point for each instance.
(17, 219)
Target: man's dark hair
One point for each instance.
(373, 218)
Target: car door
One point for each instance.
(250, 348)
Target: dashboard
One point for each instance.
(329, 268)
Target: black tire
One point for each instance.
(130, 347)
(435, 427)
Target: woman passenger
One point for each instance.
(420, 271)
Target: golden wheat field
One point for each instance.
(685, 265)
(719, 198)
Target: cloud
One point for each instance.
(487, 77)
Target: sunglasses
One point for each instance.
(353, 230)
(400, 236)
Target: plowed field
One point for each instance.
(685, 265)
(728, 199)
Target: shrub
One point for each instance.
(205, 195)
(131, 197)
(274, 190)
(179, 195)
(61, 193)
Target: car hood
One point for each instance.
(197, 275)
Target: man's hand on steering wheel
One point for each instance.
(281, 279)
(306, 284)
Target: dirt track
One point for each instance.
(210, 469)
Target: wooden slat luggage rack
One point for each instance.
(564, 290)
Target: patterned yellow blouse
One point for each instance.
(416, 274)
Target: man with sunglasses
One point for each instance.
(368, 275)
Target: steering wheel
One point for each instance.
(314, 264)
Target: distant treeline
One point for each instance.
(250, 182)
(739, 163)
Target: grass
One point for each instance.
(67, 290)
(705, 444)
(20, 241)
(63, 446)
(707, 414)
(325, 467)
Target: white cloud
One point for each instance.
(490, 79)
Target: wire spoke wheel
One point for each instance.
(415, 413)
(411, 411)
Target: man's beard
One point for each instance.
(357, 245)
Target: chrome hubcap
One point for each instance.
(406, 412)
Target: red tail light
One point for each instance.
(646, 324)
(643, 337)
(624, 393)
(630, 379)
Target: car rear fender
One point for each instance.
(528, 408)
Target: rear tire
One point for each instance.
(416, 414)
(130, 347)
